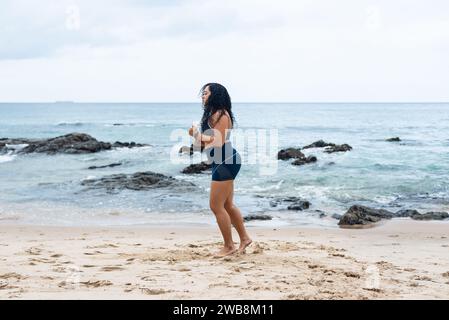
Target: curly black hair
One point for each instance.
(219, 100)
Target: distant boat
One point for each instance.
(63, 101)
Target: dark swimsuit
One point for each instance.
(226, 161)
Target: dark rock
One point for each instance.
(290, 199)
(362, 215)
(319, 144)
(338, 148)
(186, 149)
(302, 161)
(251, 217)
(295, 153)
(11, 145)
(431, 216)
(406, 213)
(321, 213)
(393, 139)
(72, 143)
(294, 203)
(273, 203)
(13, 142)
(137, 181)
(106, 166)
(119, 144)
(336, 216)
(290, 153)
(197, 168)
(299, 205)
(190, 150)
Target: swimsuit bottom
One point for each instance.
(226, 162)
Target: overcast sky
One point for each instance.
(262, 51)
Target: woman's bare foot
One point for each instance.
(225, 251)
(244, 244)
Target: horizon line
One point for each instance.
(237, 102)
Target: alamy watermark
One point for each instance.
(372, 277)
(373, 18)
(73, 18)
(255, 147)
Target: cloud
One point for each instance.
(287, 50)
(32, 30)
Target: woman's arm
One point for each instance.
(202, 138)
(219, 131)
(193, 131)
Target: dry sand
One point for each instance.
(396, 260)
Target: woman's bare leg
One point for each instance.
(219, 191)
(237, 220)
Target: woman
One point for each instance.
(216, 123)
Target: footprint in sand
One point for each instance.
(96, 283)
(385, 264)
(65, 284)
(34, 251)
(409, 269)
(12, 275)
(373, 290)
(420, 278)
(236, 269)
(184, 269)
(102, 246)
(351, 274)
(112, 268)
(5, 285)
(59, 269)
(244, 265)
(258, 248)
(41, 260)
(154, 291)
(93, 253)
(337, 255)
(329, 272)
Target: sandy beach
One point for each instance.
(398, 259)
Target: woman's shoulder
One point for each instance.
(218, 115)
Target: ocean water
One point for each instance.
(46, 189)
